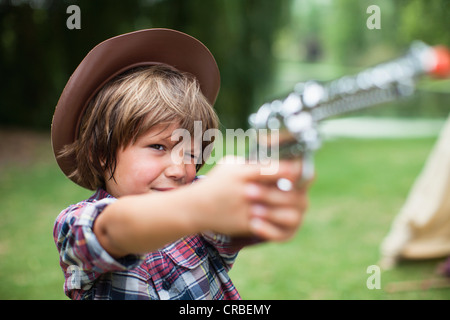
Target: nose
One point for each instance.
(175, 171)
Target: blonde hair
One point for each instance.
(127, 107)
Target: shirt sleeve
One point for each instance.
(229, 247)
(82, 258)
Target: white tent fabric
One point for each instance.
(421, 230)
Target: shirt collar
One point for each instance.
(100, 194)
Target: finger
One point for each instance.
(268, 231)
(290, 170)
(272, 196)
(283, 218)
(270, 174)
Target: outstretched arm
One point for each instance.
(235, 200)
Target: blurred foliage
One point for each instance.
(337, 29)
(249, 38)
(38, 53)
(326, 39)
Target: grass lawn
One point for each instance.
(360, 186)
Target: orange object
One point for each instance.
(442, 68)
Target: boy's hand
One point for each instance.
(276, 214)
(242, 201)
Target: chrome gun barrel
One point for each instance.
(297, 116)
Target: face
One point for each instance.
(154, 163)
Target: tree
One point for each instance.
(38, 51)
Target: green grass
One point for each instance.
(359, 189)
(32, 196)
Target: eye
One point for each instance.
(191, 156)
(158, 147)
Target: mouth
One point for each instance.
(162, 189)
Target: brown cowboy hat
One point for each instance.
(116, 55)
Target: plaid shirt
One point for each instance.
(194, 267)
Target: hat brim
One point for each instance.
(118, 54)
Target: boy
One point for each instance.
(149, 231)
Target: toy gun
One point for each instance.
(297, 116)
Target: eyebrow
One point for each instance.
(168, 138)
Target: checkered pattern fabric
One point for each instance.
(194, 267)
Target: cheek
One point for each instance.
(144, 171)
(191, 172)
(135, 170)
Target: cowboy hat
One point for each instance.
(117, 55)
